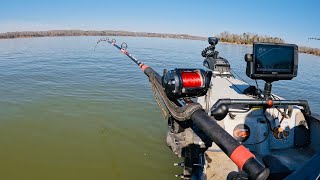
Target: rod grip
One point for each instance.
(255, 169)
(241, 156)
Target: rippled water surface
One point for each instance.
(67, 112)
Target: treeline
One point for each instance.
(249, 38)
(308, 50)
(245, 38)
(27, 34)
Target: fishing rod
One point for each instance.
(186, 83)
(314, 38)
(123, 49)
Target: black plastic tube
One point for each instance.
(228, 144)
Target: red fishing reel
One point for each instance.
(180, 83)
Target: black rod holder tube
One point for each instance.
(231, 147)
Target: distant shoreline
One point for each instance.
(55, 33)
(225, 37)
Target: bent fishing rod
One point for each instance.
(192, 82)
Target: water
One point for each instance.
(67, 112)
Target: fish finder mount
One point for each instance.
(272, 62)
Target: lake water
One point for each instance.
(67, 112)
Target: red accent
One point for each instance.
(270, 103)
(124, 51)
(240, 156)
(191, 79)
(241, 133)
(143, 67)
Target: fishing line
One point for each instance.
(191, 79)
(148, 56)
(257, 84)
(234, 85)
(233, 72)
(239, 76)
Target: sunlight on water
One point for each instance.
(67, 112)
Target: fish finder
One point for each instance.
(272, 61)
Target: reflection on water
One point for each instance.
(67, 112)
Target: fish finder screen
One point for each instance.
(274, 59)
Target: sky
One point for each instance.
(293, 20)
